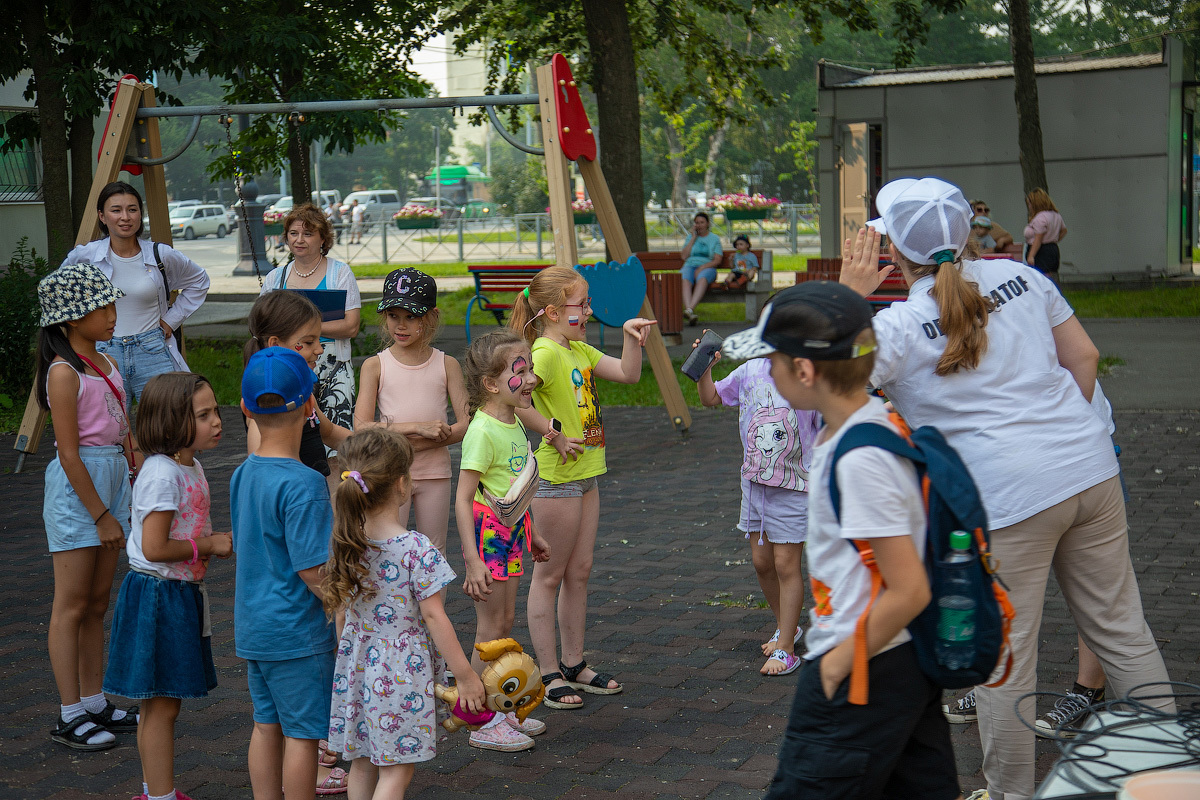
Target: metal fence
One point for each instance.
(788, 229)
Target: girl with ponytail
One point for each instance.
(388, 581)
(990, 353)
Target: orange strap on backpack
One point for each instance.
(859, 673)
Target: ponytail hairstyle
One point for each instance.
(279, 313)
(962, 309)
(487, 357)
(1038, 201)
(549, 287)
(166, 422)
(52, 342)
(374, 459)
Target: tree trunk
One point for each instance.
(678, 168)
(715, 143)
(52, 127)
(614, 79)
(1029, 123)
(83, 159)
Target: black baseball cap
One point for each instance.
(797, 321)
(409, 289)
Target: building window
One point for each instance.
(20, 168)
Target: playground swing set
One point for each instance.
(131, 143)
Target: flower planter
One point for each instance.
(734, 214)
(273, 228)
(413, 223)
(585, 219)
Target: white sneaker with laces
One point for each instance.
(530, 727)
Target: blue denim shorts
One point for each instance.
(688, 271)
(156, 648)
(296, 694)
(69, 525)
(139, 358)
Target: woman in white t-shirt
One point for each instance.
(143, 343)
(990, 353)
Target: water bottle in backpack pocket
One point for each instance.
(962, 635)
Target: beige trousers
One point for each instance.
(1085, 539)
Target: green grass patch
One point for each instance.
(1106, 365)
(727, 600)
(1158, 301)
(219, 360)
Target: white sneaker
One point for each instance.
(530, 727)
(500, 736)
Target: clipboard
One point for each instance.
(330, 302)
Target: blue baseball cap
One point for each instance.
(279, 371)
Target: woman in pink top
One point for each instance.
(1043, 233)
(410, 383)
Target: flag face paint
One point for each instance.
(573, 320)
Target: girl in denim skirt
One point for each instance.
(86, 505)
(160, 650)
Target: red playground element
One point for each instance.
(574, 130)
(132, 169)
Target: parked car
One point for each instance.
(450, 211)
(192, 221)
(478, 209)
(378, 205)
(174, 204)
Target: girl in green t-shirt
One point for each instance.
(551, 314)
(498, 371)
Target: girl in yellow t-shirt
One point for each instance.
(552, 315)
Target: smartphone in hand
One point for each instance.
(703, 356)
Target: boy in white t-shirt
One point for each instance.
(839, 744)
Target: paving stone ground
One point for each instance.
(674, 613)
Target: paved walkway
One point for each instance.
(673, 613)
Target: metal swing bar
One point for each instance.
(488, 101)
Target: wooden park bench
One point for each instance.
(496, 279)
(892, 290)
(664, 286)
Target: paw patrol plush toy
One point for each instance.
(511, 681)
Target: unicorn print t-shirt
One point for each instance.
(776, 438)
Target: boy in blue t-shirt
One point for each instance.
(282, 520)
(882, 735)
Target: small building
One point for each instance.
(1116, 133)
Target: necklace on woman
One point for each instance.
(300, 274)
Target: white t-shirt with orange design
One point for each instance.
(881, 497)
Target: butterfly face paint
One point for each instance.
(514, 382)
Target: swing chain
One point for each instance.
(227, 121)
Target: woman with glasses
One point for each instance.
(1003, 238)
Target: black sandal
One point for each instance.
(553, 698)
(126, 724)
(598, 684)
(68, 733)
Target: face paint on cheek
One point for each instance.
(573, 321)
(514, 383)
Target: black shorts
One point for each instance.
(895, 747)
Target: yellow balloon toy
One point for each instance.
(511, 682)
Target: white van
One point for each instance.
(192, 221)
(378, 205)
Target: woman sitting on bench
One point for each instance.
(702, 255)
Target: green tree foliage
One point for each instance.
(73, 49)
(292, 51)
